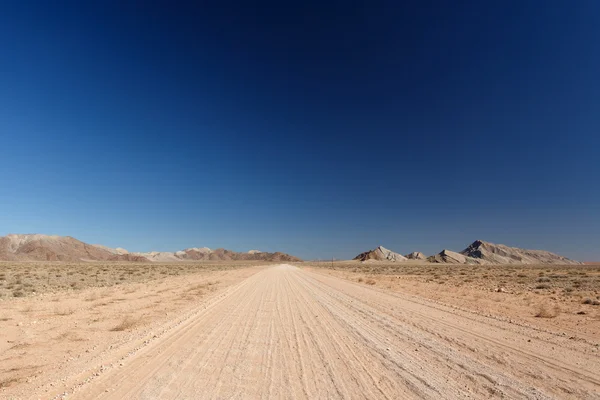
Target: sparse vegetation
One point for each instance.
(21, 279)
(543, 286)
(591, 302)
(569, 279)
(64, 311)
(126, 323)
(528, 286)
(546, 311)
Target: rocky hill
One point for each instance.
(501, 254)
(380, 254)
(37, 247)
(479, 252)
(451, 257)
(416, 255)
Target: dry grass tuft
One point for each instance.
(127, 322)
(545, 311)
(543, 286)
(591, 302)
(63, 311)
(8, 382)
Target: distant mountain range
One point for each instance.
(37, 247)
(479, 252)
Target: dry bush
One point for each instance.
(127, 322)
(92, 296)
(543, 286)
(70, 336)
(63, 311)
(545, 311)
(28, 308)
(591, 302)
(370, 281)
(8, 382)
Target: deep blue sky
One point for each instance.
(316, 129)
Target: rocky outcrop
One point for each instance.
(128, 257)
(501, 254)
(159, 256)
(416, 255)
(451, 257)
(380, 254)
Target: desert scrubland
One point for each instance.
(307, 330)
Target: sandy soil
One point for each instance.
(560, 299)
(49, 340)
(287, 332)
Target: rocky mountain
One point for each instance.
(416, 255)
(501, 254)
(451, 257)
(36, 247)
(380, 254)
(479, 252)
(118, 250)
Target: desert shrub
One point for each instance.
(64, 311)
(545, 311)
(543, 286)
(126, 323)
(18, 293)
(591, 302)
(370, 282)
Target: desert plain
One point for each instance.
(122, 330)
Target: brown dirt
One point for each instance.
(286, 332)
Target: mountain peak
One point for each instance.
(502, 254)
(381, 254)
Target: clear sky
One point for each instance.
(321, 129)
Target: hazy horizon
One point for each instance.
(154, 127)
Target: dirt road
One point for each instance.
(289, 333)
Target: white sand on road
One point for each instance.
(288, 333)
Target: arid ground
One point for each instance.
(308, 330)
